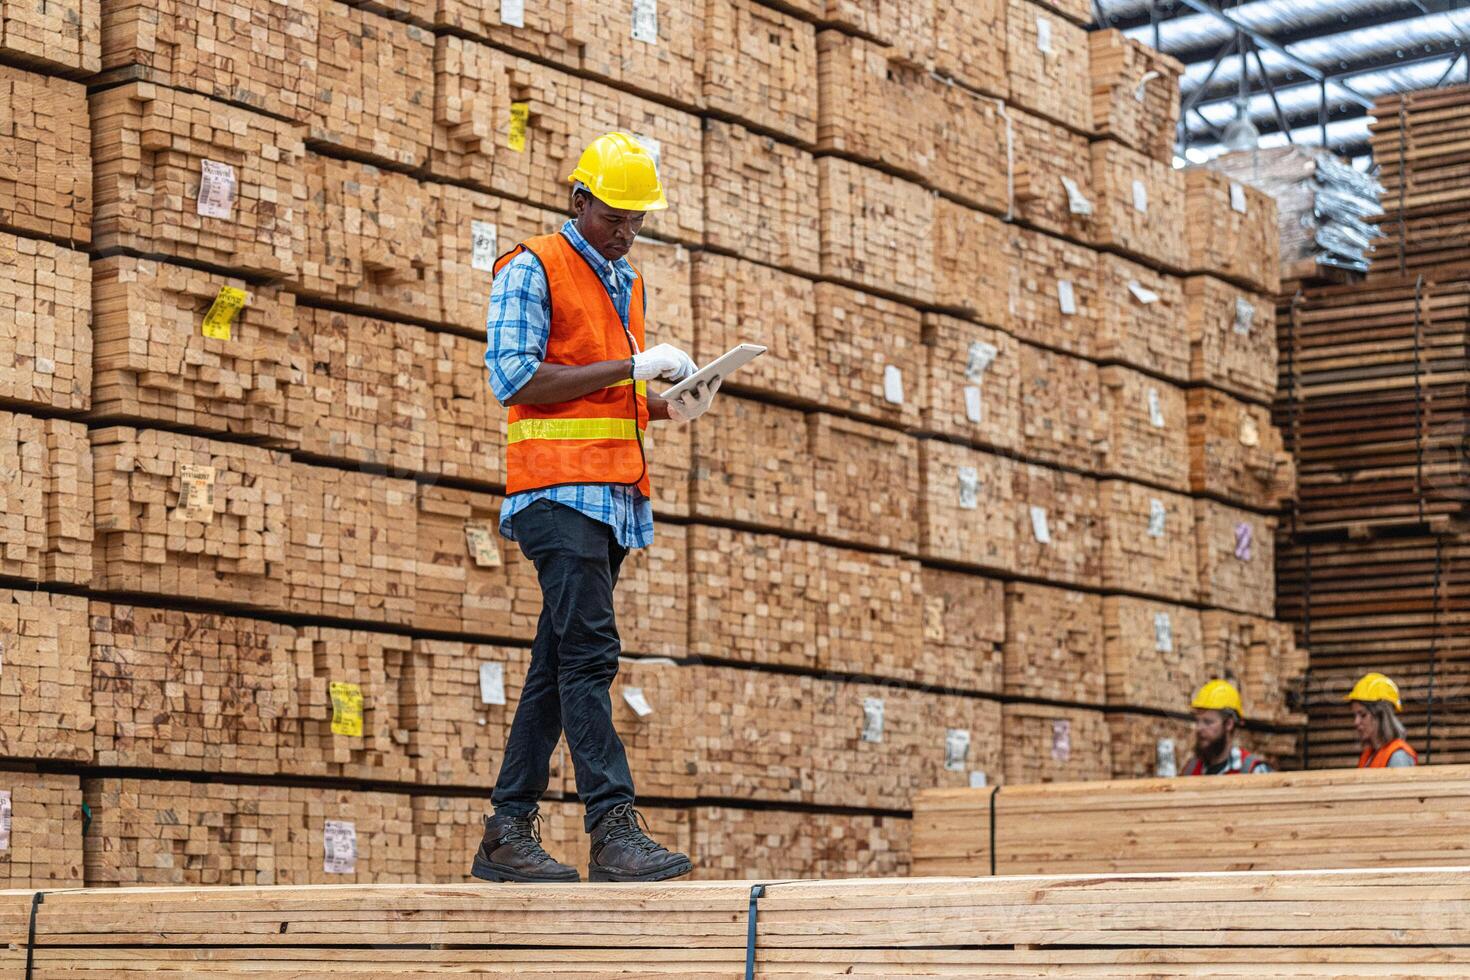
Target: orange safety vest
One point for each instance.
(597, 438)
(1379, 760)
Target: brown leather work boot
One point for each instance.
(621, 851)
(512, 851)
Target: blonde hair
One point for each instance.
(1387, 720)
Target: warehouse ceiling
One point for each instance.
(1345, 53)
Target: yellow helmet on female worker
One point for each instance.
(1217, 695)
(1375, 687)
(621, 173)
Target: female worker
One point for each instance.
(1376, 701)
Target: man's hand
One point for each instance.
(662, 361)
(693, 403)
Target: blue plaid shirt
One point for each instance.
(516, 329)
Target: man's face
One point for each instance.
(608, 230)
(1364, 723)
(1211, 732)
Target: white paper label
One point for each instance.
(1245, 315)
(1066, 297)
(1140, 91)
(1061, 739)
(1237, 197)
(339, 838)
(977, 779)
(645, 21)
(1039, 527)
(1043, 35)
(974, 410)
(513, 13)
(1163, 633)
(1166, 764)
(1250, 433)
(872, 719)
(969, 488)
(492, 683)
(1244, 534)
(981, 356)
(1155, 409)
(1077, 202)
(4, 819)
(636, 701)
(1142, 293)
(956, 749)
(1156, 516)
(654, 147)
(1140, 197)
(892, 385)
(484, 236)
(216, 189)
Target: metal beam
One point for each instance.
(1205, 93)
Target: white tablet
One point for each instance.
(721, 367)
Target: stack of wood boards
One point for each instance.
(1420, 148)
(1167, 925)
(1270, 822)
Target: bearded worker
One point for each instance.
(1218, 714)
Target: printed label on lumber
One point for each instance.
(1077, 201)
(339, 839)
(892, 385)
(1243, 535)
(492, 683)
(4, 819)
(645, 21)
(1156, 515)
(1245, 315)
(978, 779)
(637, 701)
(1250, 432)
(1140, 196)
(520, 116)
(513, 13)
(981, 355)
(346, 709)
(480, 540)
(222, 312)
(1165, 762)
(974, 409)
(934, 610)
(956, 749)
(1142, 293)
(1066, 297)
(1155, 409)
(872, 719)
(484, 245)
(196, 493)
(1163, 633)
(969, 488)
(1043, 34)
(1237, 197)
(1061, 739)
(216, 189)
(1039, 528)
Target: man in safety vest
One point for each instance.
(1218, 712)
(1376, 704)
(565, 352)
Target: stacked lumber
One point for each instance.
(197, 179)
(446, 831)
(1053, 644)
(1099, 827)
(873, 355)
(164, 353)
(1047, 62)
(868, 217)
(1053, 293)
(163, 832)
(1061, 408)
(1147, 745)
(972, 388)
(1418, 140)
(751, 462)
(46, 186)
(734, 844)
(966, 627)
(1232, 338)
(1049, 743)
(43, 831)
(652, 598)
(761, 200)
(1263, 656)
(1148, 431)
(1154, 653)
(185, 516)
(1139, 314)
(45, 325)
(1236, 453)
(654, 708)
(870, 618)
(1135, 93)
(1140, 206)
(46, 689)
(1237, 552)
(969, 45)
(1050, 176)
(460, 703)
(1058, 525)
(1149, 541)
(969, 247)
(46, 499)
(466, 577)
(968, 499)
(1232, 231)
(60, 36)
(846, 454)
(760, 66)
(732, 297)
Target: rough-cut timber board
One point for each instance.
(966, 502)
(1149, 541)
(46, 182)
(965, 628)
(1232, 231)
(969, 44)
(1148, 432)
(1232, 338)
(1237, 558)
(45, 325)
(751, 463)
(54, 36)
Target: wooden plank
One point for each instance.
(46, 187)
(1135, 93)
(46, 689)
(44, 831)
(48, 528)
(45, 325)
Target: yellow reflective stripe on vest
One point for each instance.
(642, 388)
(571, 429)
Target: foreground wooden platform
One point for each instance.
(1395, 922)
(1336, 818)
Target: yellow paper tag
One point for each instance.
(520, 115)
(221, 315)
(481, 543)
(346, 709)
(196, 493)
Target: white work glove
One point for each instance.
(694, 402)
(662, 361)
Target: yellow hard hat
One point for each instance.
(1216, 695)
(621, 173)
(1376, 687)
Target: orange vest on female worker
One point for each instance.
(597, 438)
(1379, 760)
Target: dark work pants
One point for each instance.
(573, 662)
